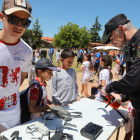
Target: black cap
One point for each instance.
(112, 24)
(45, 63)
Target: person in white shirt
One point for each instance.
(15, 62)
(117, 68)
(105, 75)
(87, 68)
(32, 74)
(58, 55)
(36, 55)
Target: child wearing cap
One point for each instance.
(63, 85)
(44, 71)
(15, 62)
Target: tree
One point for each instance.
(33, 36)
(71, 36)
(103, 35)
(94, 32)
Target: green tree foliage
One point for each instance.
(71, 36)
(33, 36)
(103, 35)
(94, 31)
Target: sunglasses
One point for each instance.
(15, 20)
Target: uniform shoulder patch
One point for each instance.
(138, 52)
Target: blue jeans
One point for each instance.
(51, 57)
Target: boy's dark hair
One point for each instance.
(67, 53)
(91, 67)
(107, 59)
(42, 69)
(58, 50)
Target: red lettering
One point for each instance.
(14, 75)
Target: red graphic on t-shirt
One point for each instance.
(34, 95)
(8, 102)
(131, 111)
(3, 76)
(34, 92)
(14, 75)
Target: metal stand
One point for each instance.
(118, 133)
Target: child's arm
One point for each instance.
(34, 109)
(76, 87)
(82, 66)
(103, 83)
(95, 85)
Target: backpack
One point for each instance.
(25, 113)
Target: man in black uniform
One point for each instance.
(120, 31)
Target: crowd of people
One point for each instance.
(17, 59)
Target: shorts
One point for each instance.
(85, 80)
(80, 60)
(116, 70)
(129, 126)
(57, 60)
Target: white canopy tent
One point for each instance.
(106, 48)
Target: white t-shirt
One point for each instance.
(116, 68)
(15, 58)
(33, 94)
(86, 71)
(58, 55)
(93, 61)
(103, 75)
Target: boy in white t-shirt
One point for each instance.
(58, 55)
(15, 62)
(32, 74)
(105, 75)
(44, 71)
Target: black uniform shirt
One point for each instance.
(130, 83)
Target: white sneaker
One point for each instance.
(79, 94)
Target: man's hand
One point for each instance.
(117, 96)
(103, 91)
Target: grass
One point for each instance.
(74, 63)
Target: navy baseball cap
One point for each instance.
(45, 63)
(112, 24)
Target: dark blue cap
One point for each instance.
(45, 63)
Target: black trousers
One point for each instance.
(96, 66)
(137, 126)
(121, 69)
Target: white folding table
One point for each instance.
(92, 111)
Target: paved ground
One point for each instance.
(79, 77)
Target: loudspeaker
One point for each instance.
(43, 53)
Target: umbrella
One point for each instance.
(111, 48)
(100, 48)
(106, 48)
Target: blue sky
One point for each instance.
(55, 13)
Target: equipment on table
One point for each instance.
(114, 103)
(62, 113)
(39, 127)
(3, 138)
(15, 135)
(59, 135)
(91, 130)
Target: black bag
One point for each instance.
(25, 113)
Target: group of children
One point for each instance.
(16, 61)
